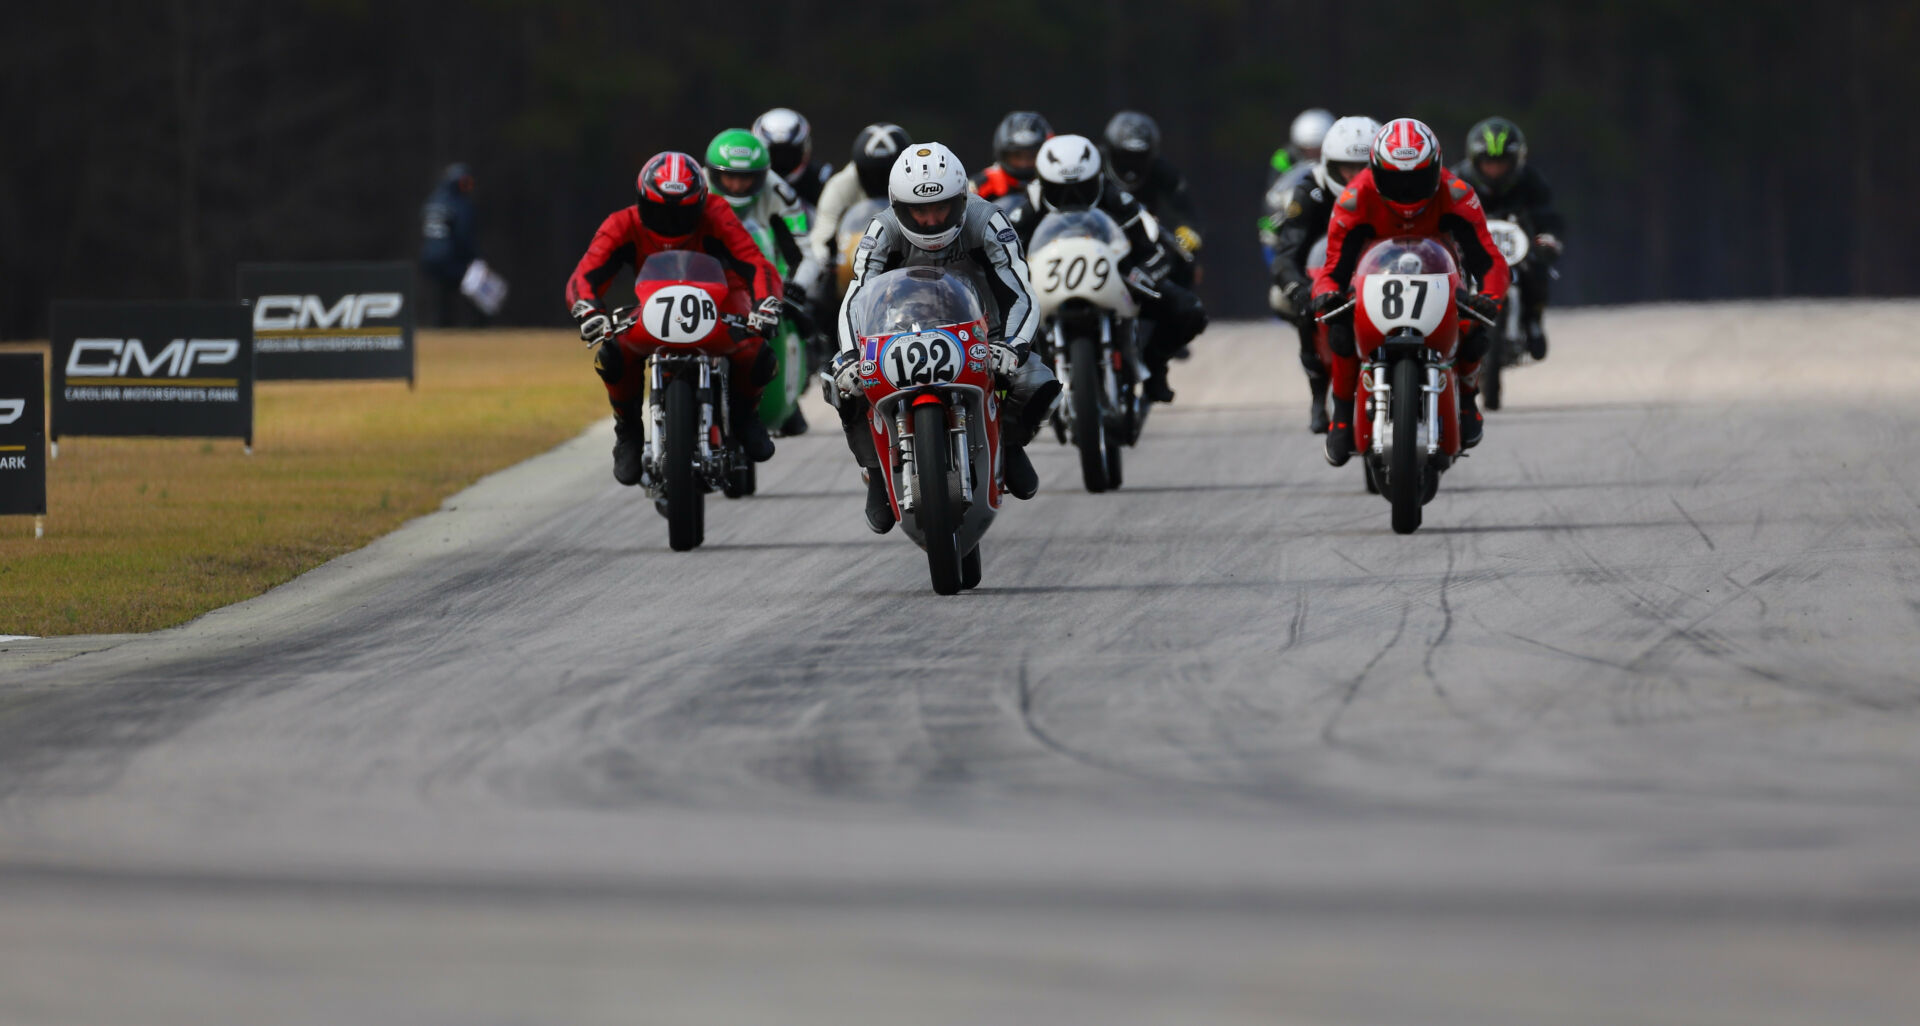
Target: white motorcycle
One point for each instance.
(1088, 318)
(1509, 346)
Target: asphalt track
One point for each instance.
(1626, 734)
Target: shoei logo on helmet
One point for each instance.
(929, 189)
(739, 153)
(673, 188)
(1404, 152)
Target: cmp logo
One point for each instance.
(11, 410)
(128, 358)
(308, 313)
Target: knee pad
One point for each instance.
(609, 362)
(1340, 340)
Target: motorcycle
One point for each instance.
(1509, 348)
(780, 403)
(926, 368)
(1405, 332)
(1088, 334)
(690, 326)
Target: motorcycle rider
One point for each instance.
(789, 141)
(1307, 209)
(674, 211)
(864, 177)
(934, 220)
(1071, 178)
(1016, 142)
(1512, 189)
(1405, 190)
(1303, 142)
(1131, 145)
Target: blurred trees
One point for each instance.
(1700, 149)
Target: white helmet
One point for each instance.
(1309, 129)
(1069, 172)
(928, 190)
(1348, 142)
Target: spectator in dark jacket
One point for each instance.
(448, 245)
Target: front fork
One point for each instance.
(1380, 406)
(658, 371)
(959, 452)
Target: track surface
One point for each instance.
(1626, 734)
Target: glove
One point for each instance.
(765, 317)
(1141, 282)
(1328, 302)
(1548, 247)
(1483, 304)
(1007, 358)
(594, 322)
(845, 372)
(1157, 265)
(1188, 238)
(1296, 294)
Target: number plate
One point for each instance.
(1510, 240)
(1417, 301)
(922, 358)
(680, 314)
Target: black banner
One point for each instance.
(330, 321)
(181, 369)
(23, 433)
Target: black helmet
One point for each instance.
(1497, 138)
(874, 151)
(1132, 141)
(1020, 132)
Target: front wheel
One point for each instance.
(1089, 433)
(933, 503)
(1406, 463)
(970, 569)
(686, 502)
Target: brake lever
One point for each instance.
(1475, 314)
(1346, 307)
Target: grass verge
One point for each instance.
(148, 533)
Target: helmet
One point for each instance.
(1070, 176)
(1132, 141)
(673, 196)
(873, 152)
(1406, 164)
(737, 153)
(789, 140)
(1347, 148)
(1020, 133)
(1497, 138)
(1309, 129)
(928, 191)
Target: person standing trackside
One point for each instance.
(449, 243)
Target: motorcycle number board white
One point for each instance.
(1417, 301)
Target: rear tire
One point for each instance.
(1089, 434)
(933, 504)
(970, 569)
(686, 503)
(1406, 463)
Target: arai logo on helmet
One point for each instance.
(929, 189)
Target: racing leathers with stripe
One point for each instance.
(1306, 208)
(988, 255)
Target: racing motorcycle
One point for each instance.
(691, 328)
(1088, 335)
(780, 403)
(926, 368)
(1405, 332)
(1509, 346)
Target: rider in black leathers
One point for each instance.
(1512, 189)
(1131, 145)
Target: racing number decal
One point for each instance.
(922, 359)
(1417, 301)
(1393, 302)
(1076, 273)
(681, 313)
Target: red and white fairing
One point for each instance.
(1406, 285)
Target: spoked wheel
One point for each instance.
(1406, 463)
(970, 569)
(1088, 432)
(933, 504)
(686, 505)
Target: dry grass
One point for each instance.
(147, 533)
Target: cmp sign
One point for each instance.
(172, 369)
(325, 321)
(23, 434)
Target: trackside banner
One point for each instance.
(330, 321)
(23, 434)
(170, 369)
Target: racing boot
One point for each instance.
(1536, 339)
(1017, 470)
(629, 444)
(752, 434)
(1155, 388)
(795, 425)
(1340, 433)
(1471, 423)
(879, 503)
(1317, 417)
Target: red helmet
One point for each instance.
(673, 194)
(1406, 165)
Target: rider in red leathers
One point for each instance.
(675, 211)
(1405, 190)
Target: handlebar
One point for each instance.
(1459, 302)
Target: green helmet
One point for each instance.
(738, 152)
(1497, 137)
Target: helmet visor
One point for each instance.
(930, 219)
(1407, 187)
(737, 184)
(786, 157)
(671, 220)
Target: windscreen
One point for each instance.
(913, 299)
(1078, 224)
(1406, 254)
(683, 265)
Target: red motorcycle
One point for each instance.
(691, 328)
(1405, 332)
(926, 368)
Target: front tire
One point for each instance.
(686, 503)
(1089, 433)
(970, 569)
(1406, 463)
(933, 503)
